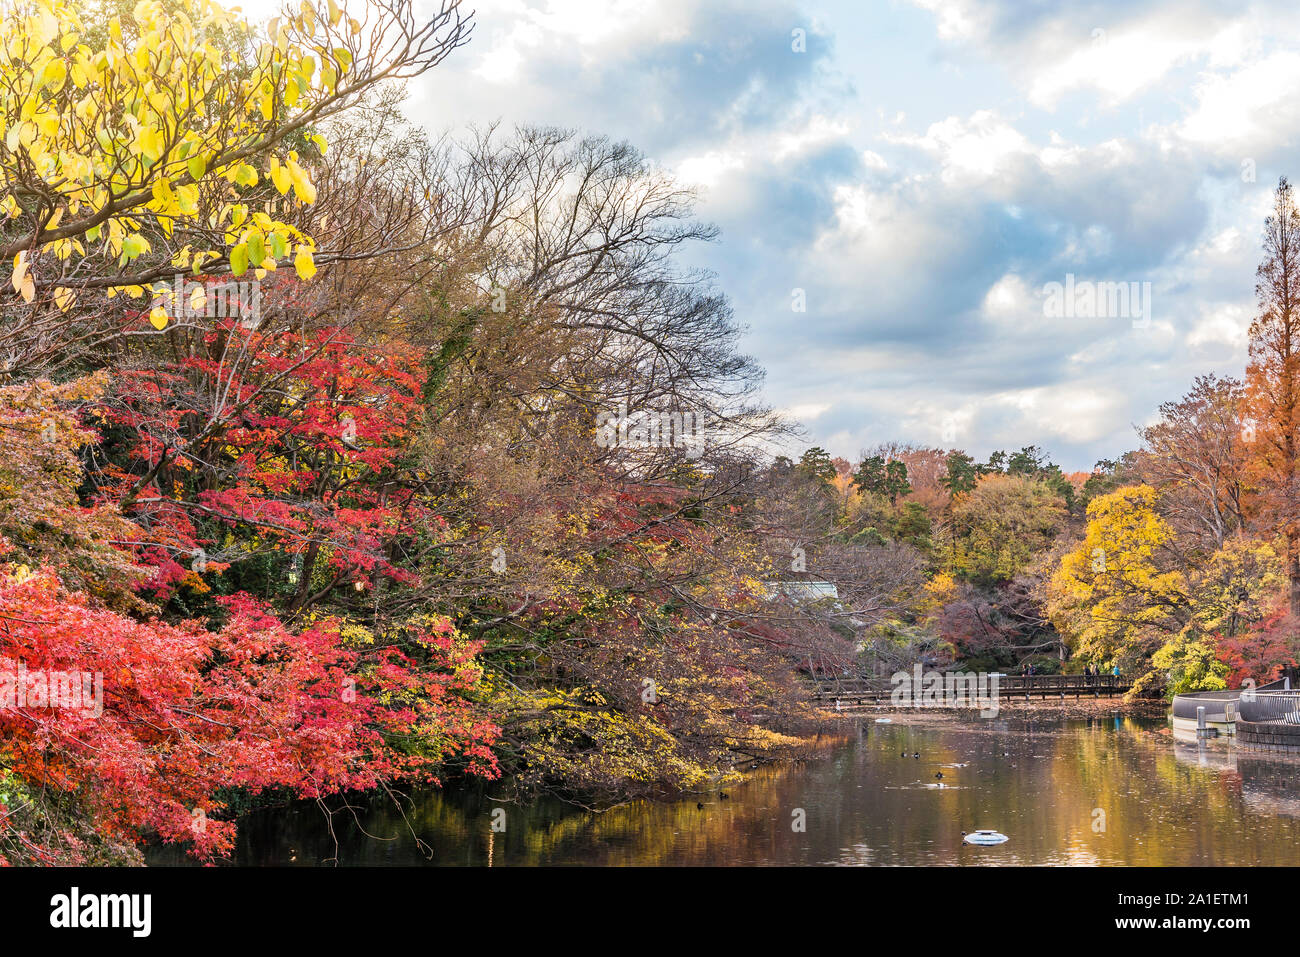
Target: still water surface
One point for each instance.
(1110, 790)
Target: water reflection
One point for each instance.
(1107, 791)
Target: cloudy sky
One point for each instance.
(921, 170)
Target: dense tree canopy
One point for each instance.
(338, 458)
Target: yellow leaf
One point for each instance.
(20, 270)
(302, 186)
(304, 264)
(280, 176)
(54, 74)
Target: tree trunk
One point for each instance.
(1293, 571)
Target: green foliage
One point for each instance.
(881, 477)
(1031, 462)
(1105, 478)
(915, 527)
(816, 463)
(1190, 664)
(1003, 526)
(963, 473)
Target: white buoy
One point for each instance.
(986, 837)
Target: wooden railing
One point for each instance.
(862, 689)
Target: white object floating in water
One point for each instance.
(986, 837)
(884, 721)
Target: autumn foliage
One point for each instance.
(377, 530)
(188, 713)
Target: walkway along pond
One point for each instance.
(1108, 790)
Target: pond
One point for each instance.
(1107, 790)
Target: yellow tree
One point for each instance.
(1229, 595)
(1118, 594)
(137, 148)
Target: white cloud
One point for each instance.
(1011, 306)
(956, 19)
(818, 131)
(601, 28)
(1077, 412)
(978, 147)
(708, 170)
(1116, 64)
(1226, 326)
(1246, 108)
(808, 411)
(873, 160)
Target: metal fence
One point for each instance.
(1282, 707)
(1219, 705)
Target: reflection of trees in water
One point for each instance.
(1169, 808)
(865, 804)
